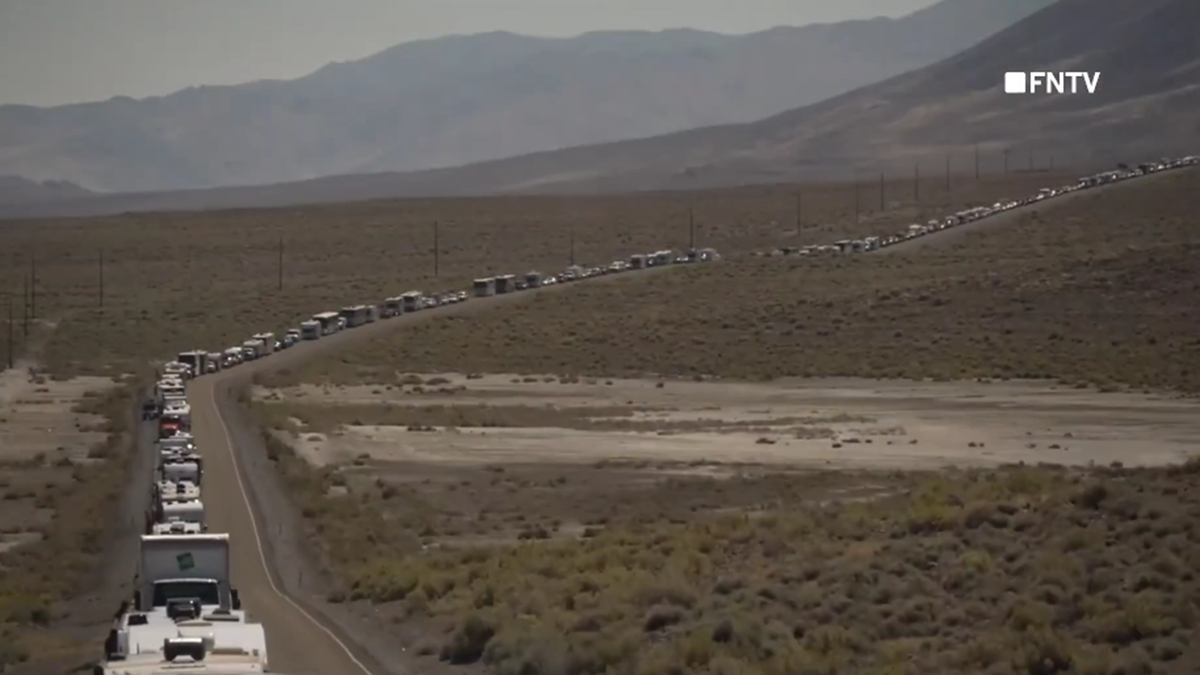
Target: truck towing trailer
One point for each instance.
(208, 645)
(185, 613)
(310, 330)
(268, 343)
(252, 349)
(196, 361)
(181, 468)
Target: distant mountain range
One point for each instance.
(18, 190)
(456, 100)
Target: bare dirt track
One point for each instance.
(845, 424)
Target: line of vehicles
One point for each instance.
(185, 614)
(973, 214)
(200, 361)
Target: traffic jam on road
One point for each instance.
(184, 608)
(971, 215)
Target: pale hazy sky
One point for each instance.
(66, 51)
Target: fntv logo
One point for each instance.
(1038, 82)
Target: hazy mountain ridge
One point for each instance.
(461, 99)
(18, 190)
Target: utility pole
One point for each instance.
(11, 348)
(437, 250)
(32, 287)
(856, 209)
(1031, 158)
(280, 266)
(572, 259)
(976, 161)
(25, 308)
(101, 277)
(692, 229)
(947, 172)
(799, 212)
(917, 182)
(882, 201)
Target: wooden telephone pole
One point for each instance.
(437, 250)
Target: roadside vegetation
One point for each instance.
(178, 281)
(1100, 292)
(60, 514)
(1023, 570)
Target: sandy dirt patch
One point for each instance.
(37, 415)
(829, 423)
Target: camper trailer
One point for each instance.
(328, 321)
(412, 301)
(355, 316)
(482, 287)
(505, 283)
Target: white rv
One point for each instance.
(328, 321)
(177, 527)
(252, 349)
(310, 330)
(185, 613)
(482, 288)
(355, 316)
(268, 343)
(195, 361)
(412, 301)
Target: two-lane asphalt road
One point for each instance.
(297, 643)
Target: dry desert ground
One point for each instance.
(969, 458)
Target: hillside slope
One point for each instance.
(461, 99)
(1145, 106)
(17, 190)
(1149, 91)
